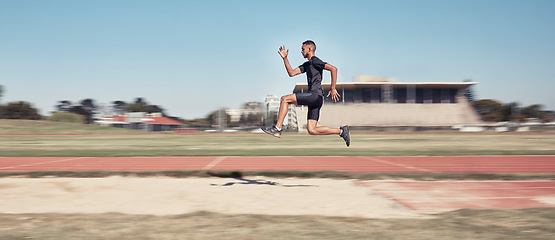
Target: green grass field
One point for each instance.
(95, 141)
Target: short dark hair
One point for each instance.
(310, 43)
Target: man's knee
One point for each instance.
(312, 130)
(288, 98)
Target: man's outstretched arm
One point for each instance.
(283, 53)
(334, 94)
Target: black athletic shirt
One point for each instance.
(313, 69)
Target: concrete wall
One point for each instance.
(383, 114)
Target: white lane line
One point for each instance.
(40, 163)
(397, 164)
(213, 163)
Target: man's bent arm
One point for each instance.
(283, 53)
(333, 71)
(292, 72)
(333, 92)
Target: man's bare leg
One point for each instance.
(322, 130)
(284, 108)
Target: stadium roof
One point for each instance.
(352, 85)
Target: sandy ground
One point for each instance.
(169, 196)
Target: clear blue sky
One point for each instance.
(192, 57)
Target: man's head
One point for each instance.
(308, 47)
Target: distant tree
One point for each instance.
(118, 107)
(489, 110)
(19, 110)
(136, 107)
(64, 106)
(154, 109)
(533, 111)
(89, 105)
(78, 109)
(88, 110)
(493, 111)
(511, 112)
(1, 91)
(140, 105)
(547, 116)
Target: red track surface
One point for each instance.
(448, 196)
(417, 196)
(476, 164)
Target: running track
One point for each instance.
(423, 164)
(440, 196)
(429, 196)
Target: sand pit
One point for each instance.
(170, 196)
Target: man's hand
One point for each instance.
(334, 95)
(282, 52)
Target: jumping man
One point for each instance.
(314, 98)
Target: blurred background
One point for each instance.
(166, 65)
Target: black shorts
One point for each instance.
(313, 101)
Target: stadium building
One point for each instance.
(140, 121)
(373, 102)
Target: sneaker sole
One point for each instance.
(271, 134)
